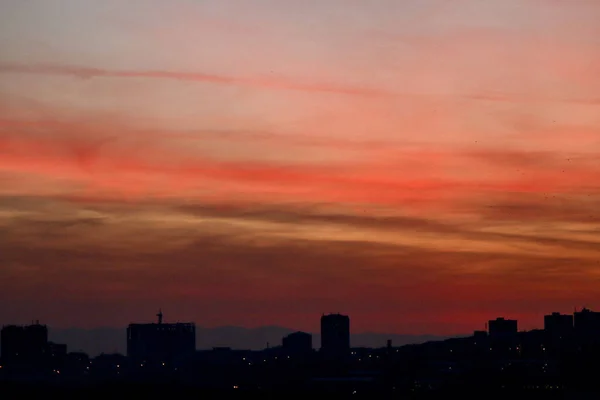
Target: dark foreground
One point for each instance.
(174, 391)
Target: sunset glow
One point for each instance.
(420, 165)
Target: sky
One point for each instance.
(420, 165)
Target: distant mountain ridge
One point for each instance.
(113, 340)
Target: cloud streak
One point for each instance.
(216, 262)
(272, 82)
(266, 82)
(317, 159)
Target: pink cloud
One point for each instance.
(144, 165)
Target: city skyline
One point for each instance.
(113, 340)
(420, 165)
(559, 359)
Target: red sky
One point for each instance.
(422, 166)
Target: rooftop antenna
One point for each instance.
(159, 315)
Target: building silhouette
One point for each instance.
(335, 334)
(501, 328)
(158, 343)
(24, 345)
(587, 324)
(558, 326)
(505, 362)
(297, 343)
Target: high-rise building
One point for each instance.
(24, 345)
(335, 334)
(587, 324)
(558, 326)
(159, 342)
(502, 328)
